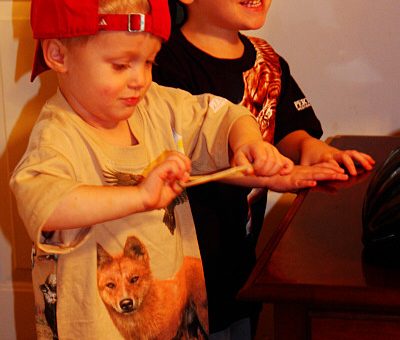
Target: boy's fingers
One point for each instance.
(349, 164)
(182, 162)
(288, 166)
(332, 176)
(333, 166)
(267, 168)
(349, 158)
(241, 159)
(305, 183)
(366, 161)
(268, 162)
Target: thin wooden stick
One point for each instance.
(196, 180)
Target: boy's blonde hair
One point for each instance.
(123, 6)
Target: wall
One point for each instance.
(345, 57)
(344, 54)
(20, 102)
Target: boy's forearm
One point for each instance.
(244, 130)
(88, 205)
(291, 145)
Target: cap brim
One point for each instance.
(39, 64)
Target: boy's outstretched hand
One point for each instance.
(265, 159)
(315, 151)
(164, 181)
(302, 177)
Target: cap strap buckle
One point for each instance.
(131, 24)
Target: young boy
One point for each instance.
(100, 186)
(207, 54)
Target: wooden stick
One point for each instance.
(196, 180)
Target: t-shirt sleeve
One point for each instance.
(39, 182)
(203, 122)
(294, 111)
(215, 116)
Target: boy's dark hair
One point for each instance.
(178, 13)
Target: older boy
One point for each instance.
(207, 54)
(115, 252)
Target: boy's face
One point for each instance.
(230, 14)
(107, 76)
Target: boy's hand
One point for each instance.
(302, 177)
(265, 159)
(163, 182)
(315, 151)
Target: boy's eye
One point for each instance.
(120, 67)
(151, 62)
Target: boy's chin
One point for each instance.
(253, 25)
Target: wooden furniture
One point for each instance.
(313, 270)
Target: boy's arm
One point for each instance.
(248, 147)
(87, 205)
(290, 145)
(306, 150)
(301, 177)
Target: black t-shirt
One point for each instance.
(220, 211)
(180, 64)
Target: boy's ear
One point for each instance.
(54, 54)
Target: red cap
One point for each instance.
(74, 18)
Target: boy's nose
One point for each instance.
(137, 78)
